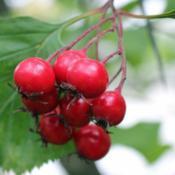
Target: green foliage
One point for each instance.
(130, 6)
(19, 148)
(24, 37)
(168, 14)
(170, 4)
(135, 51)
(144, 137)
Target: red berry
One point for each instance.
(64, 61)
(53, 130)
(34, 76)
(89, 77)
(92, 142)
(75, 110)
(41, 104)
(110, 106)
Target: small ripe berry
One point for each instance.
(34, 76)
(53, 130)
(75, 110)
(92, 142)
(64, 61)
(110, 106)
(89, 77)
(41, 104)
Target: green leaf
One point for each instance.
(130, 6)
(135, 52)
(143, 137)
(170, 4)
(19, 148)
(21, 36)
(169, 14)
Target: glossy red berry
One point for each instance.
(64, 61)
(53, 130)
(110, 106)
(34, 76)
(92, 142)
(89, 77)
(41, 104)
(75, 110)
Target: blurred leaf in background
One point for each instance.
(144, 137)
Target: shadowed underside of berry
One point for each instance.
(75, 110)
(41, 104)
(53, 130)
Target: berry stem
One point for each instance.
(115, 76)
(79, 38)
(121, 52)
(103, 10)
(114, 24)
(93, 12)
(99, 30)
(97, 37)
(105, 60)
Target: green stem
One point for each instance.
(170, 14)
(154, 46)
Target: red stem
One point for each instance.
(98, 30)
(115, 76)
(121, 53)
(105, 60)
(114, 15)
(79, 38)
(97, 37)
(119, 30)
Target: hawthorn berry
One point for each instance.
(89, 77)
(110, 106)
(41, 104)
(34, 76)
(75, 110)
(53, 130)
(92, 142)
(64, 61)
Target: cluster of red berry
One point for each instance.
(71, 100)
